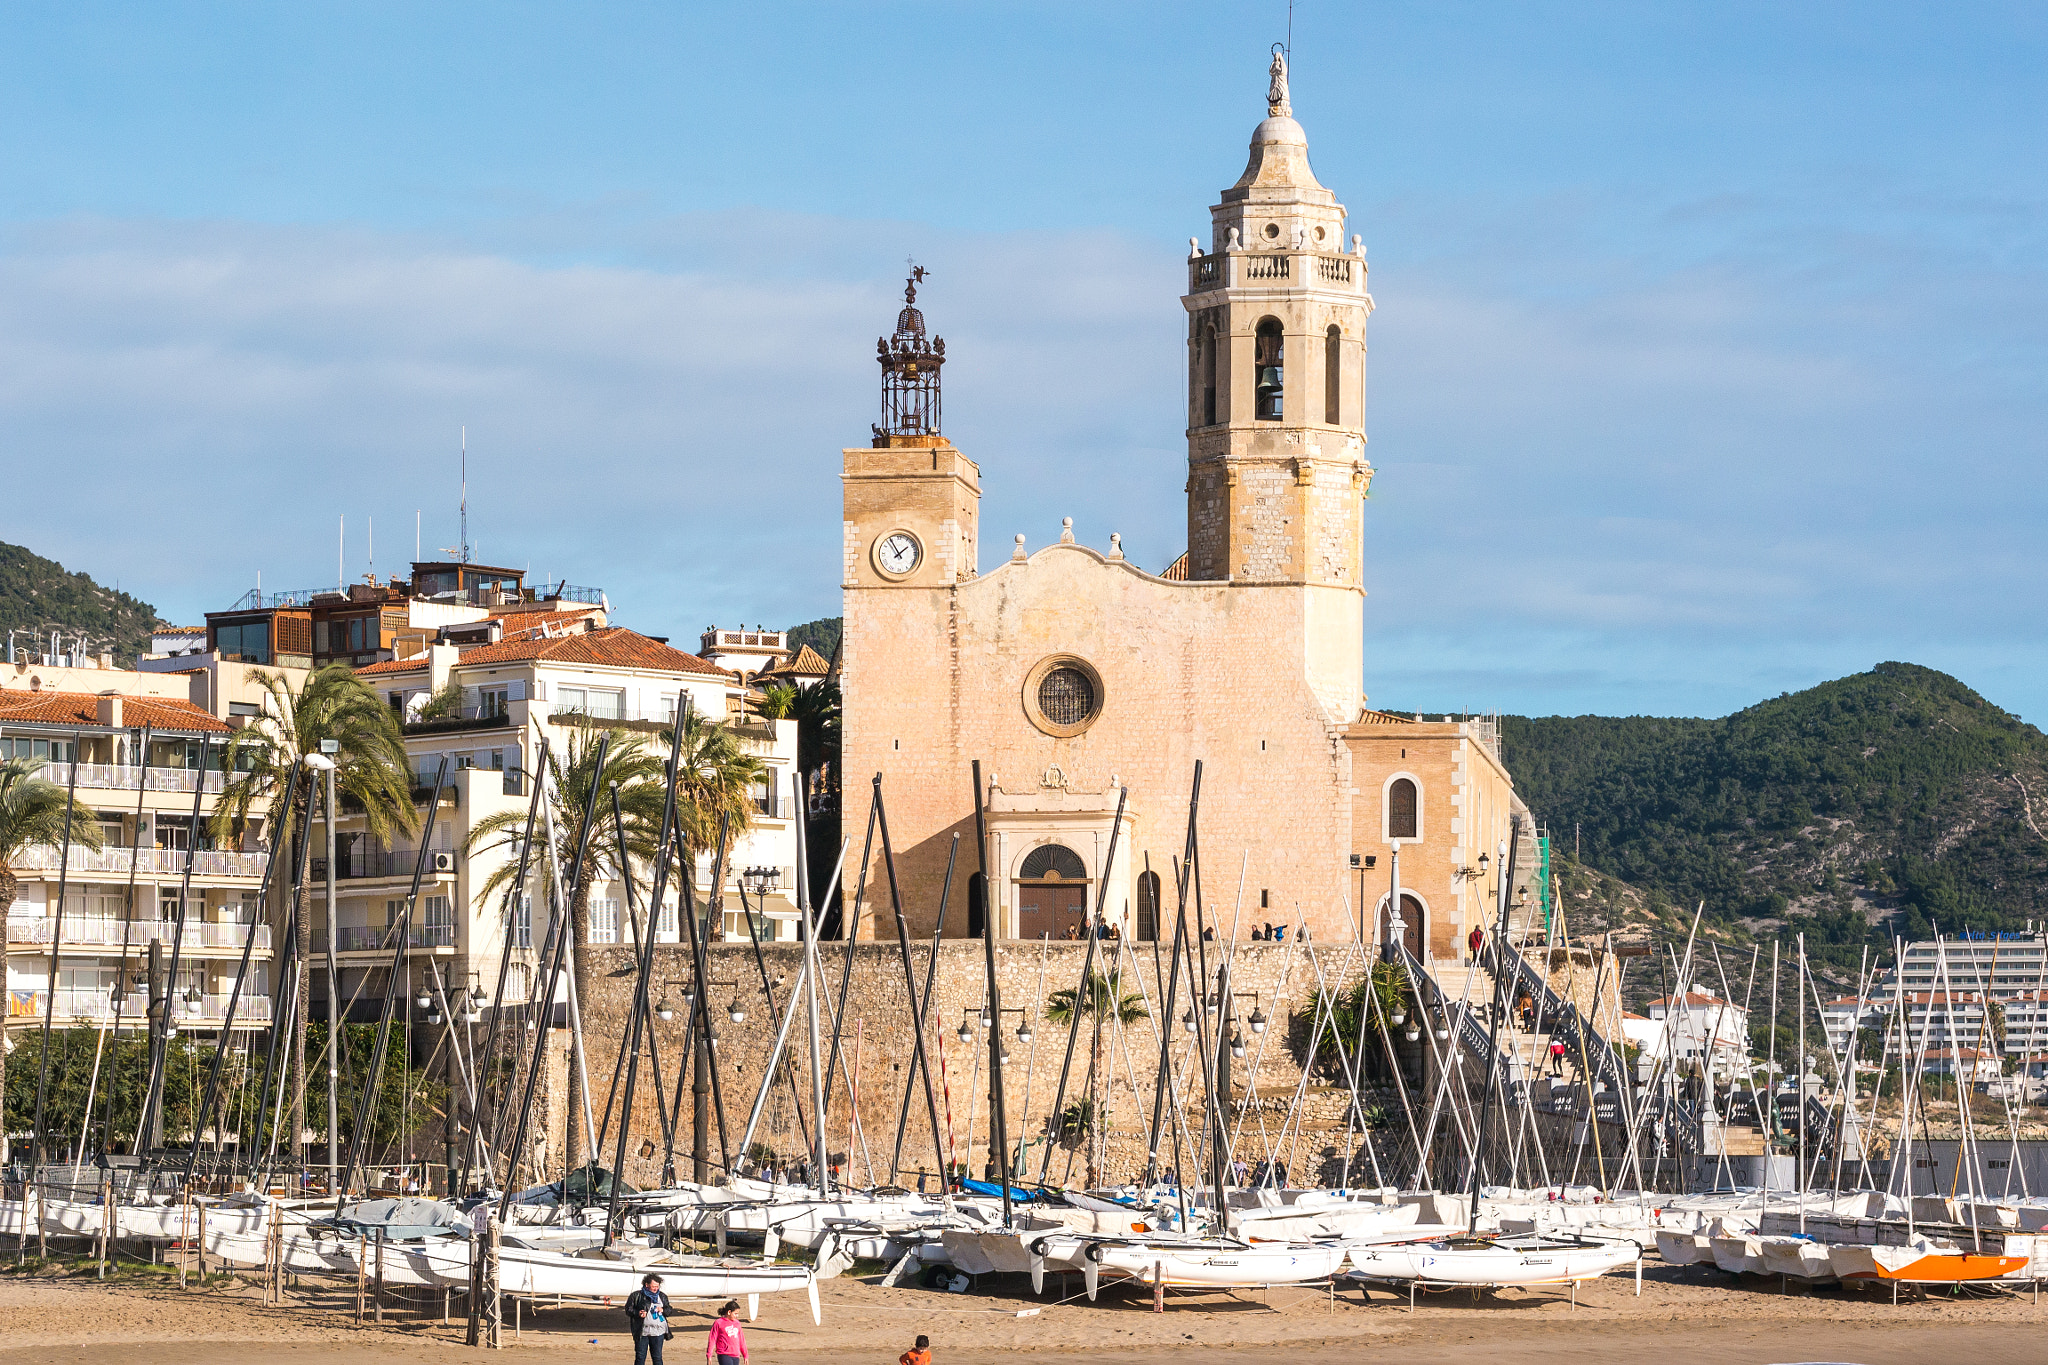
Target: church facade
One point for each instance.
(1087, 686)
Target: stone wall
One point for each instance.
(1279, 980)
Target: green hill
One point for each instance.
(1879, 804)
(38, 596)
(821, 635)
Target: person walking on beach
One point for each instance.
(920, 1354)
(725, 1344)
(647, 1310)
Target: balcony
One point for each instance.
(128, 777)
(361, 862)
(169, 862)
(94, 1006)
(362, 938)
(89, 932)
(1224, 269)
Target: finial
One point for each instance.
(1194, 247)
(916, 278)
(1066, 530)
(1276, 85)
(1017, 556)
(1357, 245)
(1116, 545)
(1236, 241)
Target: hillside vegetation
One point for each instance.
(38, 596)
(1884, 803)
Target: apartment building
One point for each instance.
(1693, 1028)
(132, 753)
(2014, 1024)
(520, 677)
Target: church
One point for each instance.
(1084, 683)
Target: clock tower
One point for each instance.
(911, 499)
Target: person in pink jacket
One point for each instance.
(725, 1344)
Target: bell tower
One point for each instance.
(912, 501)
(1276, 374)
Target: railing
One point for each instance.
(1268, 267)
(112, 933)
(561, 715)
(1213, 272)
(364, 939)
(771, 639)
(257, 600)
(124, 777)
(96, 1005)
(1334, 269)
(1204, 272)
(167, 861)
(371, 861)
(569, 592)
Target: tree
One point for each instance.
(571, 776)
(815, 709)
(370, 773)
(1101, 1000)
(34, 813)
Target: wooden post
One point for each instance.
(380, 1275)
(42, 1216)
(473, 1330)
(1159, 1286)
(185, 1233)
(202, 1242)
(362, 1275)
(494, 1301)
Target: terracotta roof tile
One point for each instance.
(808, 663)
(413, 665)
(83, 708)
(1176, 572)
(613, 645)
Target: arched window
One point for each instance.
(1053, 863)
(1148, 907)
(1401, 813)
(1269, 399)
(1208, 376)
(1333, 374)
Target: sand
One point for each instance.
(1690, 1314)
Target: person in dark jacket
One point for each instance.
(648, 1311)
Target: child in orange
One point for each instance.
(920, 1354)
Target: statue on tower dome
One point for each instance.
(1276, 86)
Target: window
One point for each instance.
(248, 641)
(1066, 696)
(1270, 371)
(668, 707)
(440, 912)
(1053, 862)
(604, 920)
(1401, 809)
(1148, 907)
(491, 703)
(521, 926)
(599, 703)
(1333, 374)
(666, 924)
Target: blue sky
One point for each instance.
(1708, 363)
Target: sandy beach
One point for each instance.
(1683, 1315)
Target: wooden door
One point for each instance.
(1413, 934)
(1047, 910)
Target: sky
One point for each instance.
(1708, 359)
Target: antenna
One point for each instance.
(415, 535)
(341, 555)
(465, 495)
(373, 549)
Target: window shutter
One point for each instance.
(515, 690)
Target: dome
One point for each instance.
(1279, 128)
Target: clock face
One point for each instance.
(898, 553)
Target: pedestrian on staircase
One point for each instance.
(1556, 1055)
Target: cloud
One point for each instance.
(1776, 439)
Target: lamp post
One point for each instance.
(322, 765)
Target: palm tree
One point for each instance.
(1101, 1000)
(33, 814)
(370, 772)
(815, 709)
(571, 776)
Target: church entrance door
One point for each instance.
(1413, 931)
(1047, 911)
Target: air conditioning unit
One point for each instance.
(444, 862)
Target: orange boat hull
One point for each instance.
(1948, 1269)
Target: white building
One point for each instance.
(524, 678)
(1693, 1030)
